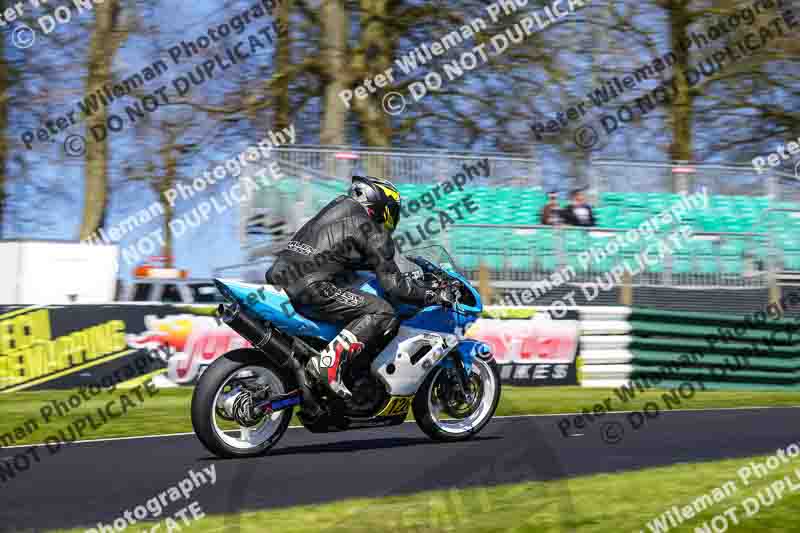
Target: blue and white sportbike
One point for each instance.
(244, 401)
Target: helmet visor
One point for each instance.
(391, 215)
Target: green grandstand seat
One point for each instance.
(732, 247)
(720, 201)
(544, 241)
(522, 261)
(791, 262)
(657, 202)
(596, 243)
(602, 265)
(519, 243)
(494, 261)
(633, 200)
(789, 241)
(572, 261)
(547, 261)
(681, 264)
(732, 266)
(629, 248)
(738, 226)
(707, 265)
(701, 247)
(612, 198)
(575, 240)
(758, 247)
(468, 261)
(656, 268)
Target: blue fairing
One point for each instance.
(468, 349)
(274, 306)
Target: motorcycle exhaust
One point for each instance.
(264, 338)
(261, 337)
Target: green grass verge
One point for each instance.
(168, 410)
(602, 503)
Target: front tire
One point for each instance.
(430, 404)
(220, 387)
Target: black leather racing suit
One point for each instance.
(339, 240)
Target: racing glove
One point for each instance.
(445, 296)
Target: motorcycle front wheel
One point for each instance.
(222, 417)
(444, 413)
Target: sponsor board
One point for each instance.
(538, 351)
(68, 346)
(187, 343)
(59, 346)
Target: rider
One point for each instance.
(353, 232)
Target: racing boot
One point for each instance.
(328, 367)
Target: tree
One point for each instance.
(106, 39)
(5, 97)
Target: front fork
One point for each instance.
(458, 364)
(458, 374)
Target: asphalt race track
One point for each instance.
(96, 481)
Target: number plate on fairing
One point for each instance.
(398, 405)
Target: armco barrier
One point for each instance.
(653, 348)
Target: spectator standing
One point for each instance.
(551, 212)
(578, 212)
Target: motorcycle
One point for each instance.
(244, 400)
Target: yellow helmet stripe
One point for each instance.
(388, 221)
(389, 192)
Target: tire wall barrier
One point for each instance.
(653, 348)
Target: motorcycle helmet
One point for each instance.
(379, 197)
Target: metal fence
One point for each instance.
(315, 175)
(624, 176)
(408, 166)
(531, 253)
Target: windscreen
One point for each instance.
(437, 255)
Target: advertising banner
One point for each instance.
(60, 346)
(537, 351)
(67, 346)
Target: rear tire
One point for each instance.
(454, 430)
(209, 393)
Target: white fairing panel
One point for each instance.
(405, 378)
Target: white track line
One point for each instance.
(111, 439)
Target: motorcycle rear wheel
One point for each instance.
(218, 399)
(463, 421)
